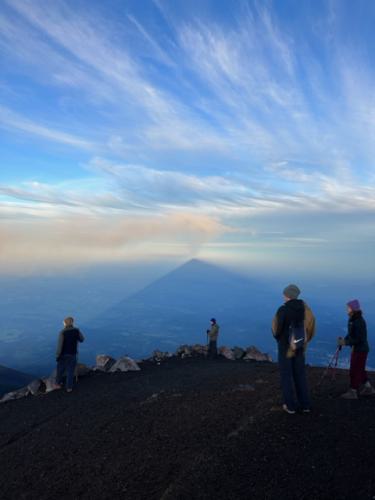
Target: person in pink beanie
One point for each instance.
(357, 340)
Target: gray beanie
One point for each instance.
(291, 291)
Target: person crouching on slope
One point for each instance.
(293, 327)
(357, 340)
(213, 334)
(66, 354)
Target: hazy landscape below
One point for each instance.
(137, 309)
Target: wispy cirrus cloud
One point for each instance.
(257, 120)
(14, 121)
(255, 89)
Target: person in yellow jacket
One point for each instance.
(293, 327)
(212, 335)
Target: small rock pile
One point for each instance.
(198, 350)
(107, 364)
(44, 385)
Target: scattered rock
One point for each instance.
(199, 349)
(36, 386)
(226, 352)
(160, 355)
(82, 370)
(238, 352)
(252, 353)
(49, 382)
(184, 351)
(125, 364)
(18, 394)
(104, 362)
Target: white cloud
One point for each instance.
(237, 123)
(11, 120)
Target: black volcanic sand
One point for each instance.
(188, 429)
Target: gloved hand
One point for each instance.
(340, 341)
(207, 331)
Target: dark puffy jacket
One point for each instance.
(294, 310)
(291, 311)
(357, 333)
(68, 339)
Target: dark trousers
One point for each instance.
(66, 364)
(212, 349)
(293, 379)
(358, 375)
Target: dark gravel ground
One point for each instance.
(188, 429)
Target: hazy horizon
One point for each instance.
(141, 309)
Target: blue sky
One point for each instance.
(231, 130)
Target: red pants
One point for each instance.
(358, 375)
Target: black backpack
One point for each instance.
(297, 336)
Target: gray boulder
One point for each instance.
(184, 351)
(252, 353)
(226, 352)
(198, 349)
(82, 370)
(35, 387)
(238, 352)
(161, 355)
(125, 364)
(18, 394)
(50, 381)
(104, 362)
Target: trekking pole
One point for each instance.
(331, 365)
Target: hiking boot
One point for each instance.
(69, 390)
(55, 387)
(367, 390)
(285, 408)
(350, 394)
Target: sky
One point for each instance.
(229, 130)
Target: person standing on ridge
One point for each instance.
(212, 335)
(66, 353)
(293, 327)
(357, 340)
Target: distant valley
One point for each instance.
(171, 310)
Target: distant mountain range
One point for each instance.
(12, 379)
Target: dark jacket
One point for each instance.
(357, 333)
(68, 339)
(296, 311)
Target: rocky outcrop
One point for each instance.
(125, 364)
(188, 351)
(252, 353)
(10, 396)
(104, 363)
(184, 351)
(107, 364)
(160, 355)
(44, 385)
(238, 352)
(36, 386)
(226, 352)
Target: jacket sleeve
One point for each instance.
(278, 322)
(60, 344)
(356, 334)
(214, 331)
(81, 338)
(310, 324)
